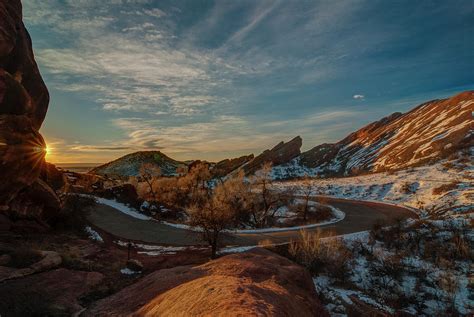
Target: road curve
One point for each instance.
(360, 216)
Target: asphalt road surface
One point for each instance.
(360, 216)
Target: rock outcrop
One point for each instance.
(257, 282)
(52, 293)
(227, 166)
(280, 154)
(24, 101)
(428, 133)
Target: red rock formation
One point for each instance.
(257, 282)
(280, 154)
(23, 104)
(224, 167)
(428, 133)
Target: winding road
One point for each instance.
(360, 216)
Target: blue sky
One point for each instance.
(217, 79)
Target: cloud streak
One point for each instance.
(239, 75)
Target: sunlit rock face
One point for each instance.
(24, 101)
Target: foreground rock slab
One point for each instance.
(254, 283)
(55, 292)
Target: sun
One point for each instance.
(47, 149)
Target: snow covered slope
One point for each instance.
(441, 189)
(426, 134)
(129, 165)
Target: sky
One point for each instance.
(218, 79)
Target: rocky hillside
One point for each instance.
(426, 134)
(280, 154)
(24, 101)
(257, 282)
(129, 165)
(224, 167)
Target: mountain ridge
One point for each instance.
(424, 134)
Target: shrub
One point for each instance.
(408, 188)
(322, 255)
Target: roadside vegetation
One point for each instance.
(418, 267)
(235, 202)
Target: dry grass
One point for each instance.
(322, 255)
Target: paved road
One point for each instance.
(360, 216)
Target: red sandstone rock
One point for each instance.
(426, 134)
(23, 104)
(257, 282)
(280, 154)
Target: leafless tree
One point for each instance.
(307, 190)
(149, 173)
(218, 212)
(267, 201)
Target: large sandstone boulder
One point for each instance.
(254, 283)
(280, 154)
(17, 59)
(224, 167)
(23, 104)
(21, 155)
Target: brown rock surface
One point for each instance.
(55, 293)
(224, 167)
(426, 134)
(280, 154)
(53, 176)
(23, 104)
(257, 282)
(17, 59)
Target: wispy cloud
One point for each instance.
(239, 75)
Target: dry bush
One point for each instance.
(149, 174)
(408, 188)
(218, 210)
(445, 188)
(317, 254)
(265, 200)
(461, 249)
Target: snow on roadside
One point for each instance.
(155, 250)
(413, 188)
(236, 249)
(122, 207)
(94, 235)
(338, 215)
(127, 271)
(119, 206)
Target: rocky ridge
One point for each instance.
(24, 102)
(428, 133)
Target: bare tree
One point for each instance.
(267, 201)
(220, 209)
(307, 191)
(149, 173)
